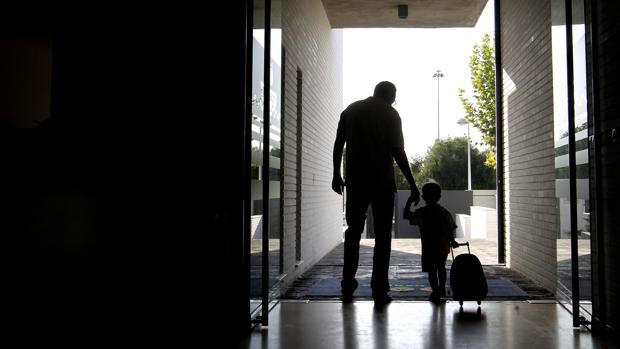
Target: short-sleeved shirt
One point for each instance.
(437, 231)
(371, 128)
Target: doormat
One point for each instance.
(408, 288)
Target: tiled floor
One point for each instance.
(333, 325)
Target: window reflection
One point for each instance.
(259, 148)
(561, 133)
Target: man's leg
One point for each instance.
(432, 280)
(357, 206)
(383, 211)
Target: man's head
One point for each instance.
(386, 91)
(431, 192)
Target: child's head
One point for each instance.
(431, 192)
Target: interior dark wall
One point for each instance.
(608, 45)
(25, 80)
(123, 213)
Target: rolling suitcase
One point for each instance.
(467, 279)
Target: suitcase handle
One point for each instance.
(463, 244)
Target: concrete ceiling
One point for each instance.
(422, 13)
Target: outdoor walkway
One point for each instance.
(407, 281)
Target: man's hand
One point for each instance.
(407, 210)
(337, 184)
(454, 244)
(409, 202)
(415, 195)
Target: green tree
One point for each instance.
(579, 128)
(446, 163)
(275, 152)
(415, 163)
(480, 110)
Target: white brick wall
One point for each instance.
(314, 48)
(531, 213)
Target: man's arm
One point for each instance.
(407, 214)
(337, 182)
(401, 160)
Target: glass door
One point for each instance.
(265, 207)
(571, 158)
(580, 236)
(275, 152)
(256, 143)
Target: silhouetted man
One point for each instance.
(372, 131)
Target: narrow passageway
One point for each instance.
(407, 281)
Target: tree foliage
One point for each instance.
(579, 128)
(416, 164)
(480, 109)
(446, 162)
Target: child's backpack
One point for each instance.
(467, 279)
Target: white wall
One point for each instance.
(529, 165)
(314, 48)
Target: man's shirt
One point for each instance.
(371, 129)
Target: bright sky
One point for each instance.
(409, 58)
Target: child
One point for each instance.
(437, 230)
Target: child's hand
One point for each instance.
(407, 211)
(410, 201)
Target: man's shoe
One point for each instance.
(382, 300)
(439, 301)
(436, 299)
(347, 290)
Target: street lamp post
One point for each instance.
(438, 74)
(464, 122)
(260, 130)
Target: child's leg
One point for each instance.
(442, 276)
(442, 280)
(436, 294)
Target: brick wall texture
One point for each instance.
(312, 47)
(531, 213)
